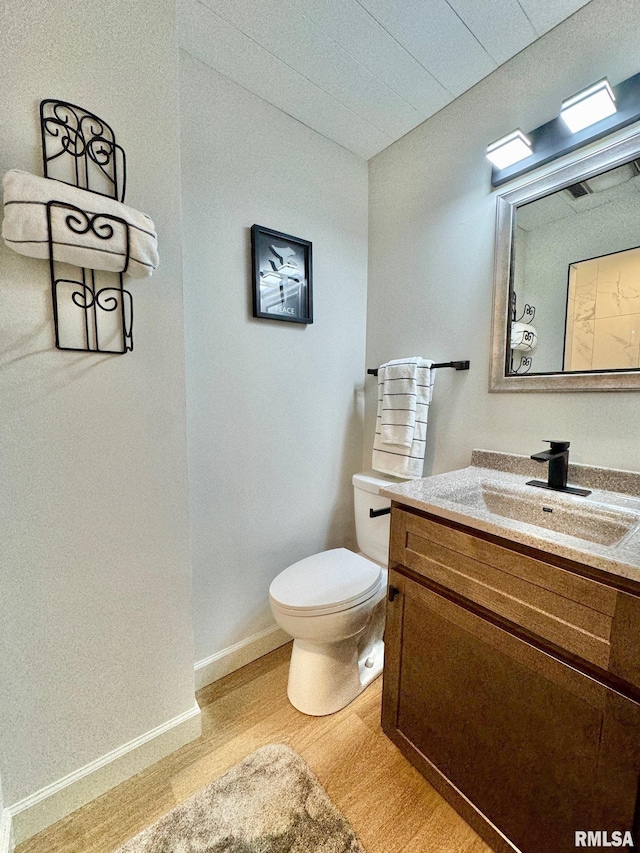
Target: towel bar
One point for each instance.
(457, 365)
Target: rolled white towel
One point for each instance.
(83, 228)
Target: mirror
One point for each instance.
(567, 277)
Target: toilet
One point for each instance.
(333, 605)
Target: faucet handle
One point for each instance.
(557, 446)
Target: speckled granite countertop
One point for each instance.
(493, 487)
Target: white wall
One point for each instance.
(96, 642)
(273, 408)
(4, 840)
(5, 827)
(431, 239)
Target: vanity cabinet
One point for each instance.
(511, 682)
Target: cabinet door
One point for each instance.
(539, 749)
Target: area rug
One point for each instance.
(269, 803)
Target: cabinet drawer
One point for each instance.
(571, 611)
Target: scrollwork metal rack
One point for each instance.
(92, 311)
(528, 313)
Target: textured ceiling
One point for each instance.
(362, 72)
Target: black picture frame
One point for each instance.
(282, 276)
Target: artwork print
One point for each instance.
(281, 276)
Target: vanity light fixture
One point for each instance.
(588, 106)
(577, 125)
(509, 149)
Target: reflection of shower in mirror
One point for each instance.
(602, 330)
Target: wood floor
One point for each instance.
(391, 807)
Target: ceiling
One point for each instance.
(618, 185)
(362, 72)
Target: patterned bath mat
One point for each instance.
(269, 803)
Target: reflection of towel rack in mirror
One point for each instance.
(92, 310)
(457, 365)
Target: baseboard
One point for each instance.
(233, 657)
(6, 840)
(50, 804)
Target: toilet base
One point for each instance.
(325, 677)
(371, 666)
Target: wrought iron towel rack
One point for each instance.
(457, 365)
(92, 310)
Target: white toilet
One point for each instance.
(333, 605)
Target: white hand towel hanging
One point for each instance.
(405, 388)
(398, 414)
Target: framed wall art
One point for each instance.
(281, 267)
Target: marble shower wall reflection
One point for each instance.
(603, 313)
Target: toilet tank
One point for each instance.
(372, 533)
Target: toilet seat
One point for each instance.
(328, 582)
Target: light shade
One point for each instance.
(588, 107)
(509, 150)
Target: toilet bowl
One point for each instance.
(333, 605)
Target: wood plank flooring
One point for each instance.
(388, 803)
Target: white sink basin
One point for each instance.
(574, 516)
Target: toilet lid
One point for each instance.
(327, 582)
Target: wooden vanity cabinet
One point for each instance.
(528, 742)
